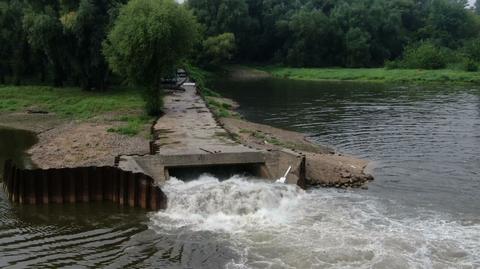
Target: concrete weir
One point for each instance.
(188, 138)
(188, 141)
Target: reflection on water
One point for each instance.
(425, 141)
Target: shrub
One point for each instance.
(470, 65)
(392, 65)
(472, 49)
(219, 49)
(426, 55)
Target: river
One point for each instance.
(422, 210)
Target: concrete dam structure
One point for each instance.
(189, 141)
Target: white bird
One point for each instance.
(284, 178)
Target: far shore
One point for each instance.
(444, 76)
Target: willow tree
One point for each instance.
(148, 39)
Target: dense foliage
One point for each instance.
(350, 33)
(60, 42)
(148, 39)
(218, 49)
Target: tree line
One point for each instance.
(57, 41)
(95, 43)
(349, 33)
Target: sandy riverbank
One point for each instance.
(69, 143)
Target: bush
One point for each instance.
(219, 49)
(392, 65)
(470, 65)
(472, 49)
(425, 56)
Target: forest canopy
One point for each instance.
(352, 33)
(61, 41)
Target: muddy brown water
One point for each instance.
(422, 211)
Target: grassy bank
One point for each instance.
(124, 105)
(219, 106)
(375, 74)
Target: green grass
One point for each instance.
(134, 124)
(68, 102)
(221, 110)
(73, 103)
(374, 74)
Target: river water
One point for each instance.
(422, 211)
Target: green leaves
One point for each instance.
(219, 49)
(147, 40)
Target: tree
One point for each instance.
(14, 49)
(219, 49)
(448, 22)
(45, 33)
(88, 24)
(147, 40)
(358, 48)
(477, 7)
(312, 39)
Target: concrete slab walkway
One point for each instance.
(188, 135)
(188, 127)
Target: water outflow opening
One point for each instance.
(222, 172)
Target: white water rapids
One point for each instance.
(270, 225)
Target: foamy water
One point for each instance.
(281, 226)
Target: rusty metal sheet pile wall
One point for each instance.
(81, 185)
